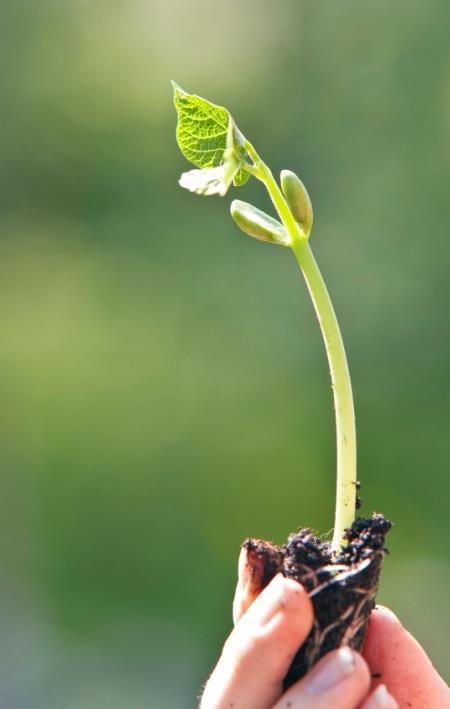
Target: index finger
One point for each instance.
(401, 663)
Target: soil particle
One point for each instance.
(342, 587)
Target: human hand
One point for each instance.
(258, 653)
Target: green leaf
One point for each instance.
(208, 137)
(258, 224)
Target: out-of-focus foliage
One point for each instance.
(164, 393)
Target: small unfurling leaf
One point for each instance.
(212, 180)
(209, 138)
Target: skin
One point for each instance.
(404, 666)
(268, 632)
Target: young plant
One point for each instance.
(341, 578)
(210, 139)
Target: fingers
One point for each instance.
(259, 651)
(401, 664)
(340, 680)
(259, 562)
(247, 588)
(380, 699)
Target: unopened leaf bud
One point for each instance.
(258, 224)
(298, 199)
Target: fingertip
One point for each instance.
(354, 672)
(398, 660)
(297, 603)
(384, 628)
(388, 618)
(245, 594)
(259, 561)
(340, 679)
(380, 699)
(290, 625)
(281, 597)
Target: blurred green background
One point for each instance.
(164, 392)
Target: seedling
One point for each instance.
(209, 138)
(342, 577)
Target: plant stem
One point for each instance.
(342, 392)
(340, 376)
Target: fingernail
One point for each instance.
(333, 669)
(281, 594)
(379, 698)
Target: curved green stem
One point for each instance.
(342, 392)
(337, 360)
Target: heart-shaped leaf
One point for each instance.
(209, 138)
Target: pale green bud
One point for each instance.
(258, 224)
(298, 199)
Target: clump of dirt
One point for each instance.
(342, 587)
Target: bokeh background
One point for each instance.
(164, 392)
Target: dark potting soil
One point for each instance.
(342, 587)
